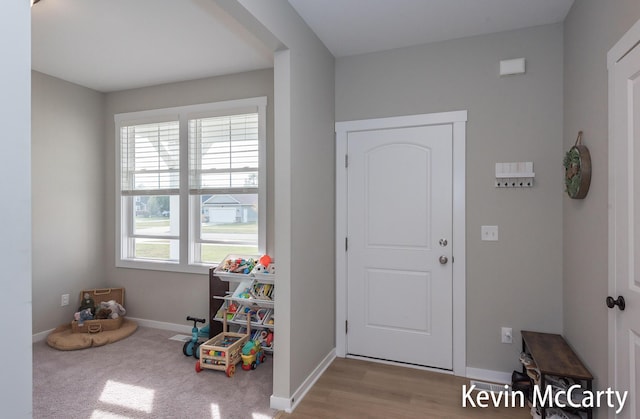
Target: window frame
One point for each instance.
(189, 221)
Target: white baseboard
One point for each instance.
(289, 404)
(280, 403)
(182, 328)
(41, 336)
(489, 375)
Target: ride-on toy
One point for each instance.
(190, 347)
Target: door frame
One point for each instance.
(457, 119)
(628, 42)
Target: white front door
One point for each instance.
(624, 222)
(399, 258)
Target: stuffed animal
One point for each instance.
(116, 309)
(264, 260)
(87, 303)
(83, 315)
(103, 313)
(260, 269)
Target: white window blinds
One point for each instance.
(150, 159)
(224, 156)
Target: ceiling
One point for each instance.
(349, 27)
(111, 45)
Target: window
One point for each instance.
(191, 185)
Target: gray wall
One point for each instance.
(15, 211)
(515, 282)
(67, 195)
(591, 29)
(168, 296)
(305, 221)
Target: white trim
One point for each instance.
(623, 46)
(611, 285)
(288, 405)
(458, 120)
(488, 375)
(37, 337)
(227, 107)
(459, 247)
(341, 234)
(628, 41)
(280, 403)
(181, 328)
(402, 121)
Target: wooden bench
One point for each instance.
(553, 356)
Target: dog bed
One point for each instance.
(63, 338)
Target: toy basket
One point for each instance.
(222, 272)
(99, 325)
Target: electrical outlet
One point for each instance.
(64, 300)
(507, 335)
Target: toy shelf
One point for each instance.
(242, 323)
(250, 292)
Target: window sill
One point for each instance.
(151, 265)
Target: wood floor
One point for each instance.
(359, 389)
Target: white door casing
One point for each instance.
(421, 272)
(624, 216)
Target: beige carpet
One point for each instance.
(143, 376)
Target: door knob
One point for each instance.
(611, 303)
(443, 260)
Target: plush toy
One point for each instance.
(260, 269)
(265, 260)
(116, 309)
(83, 315)
(87, 303)
(103, 313)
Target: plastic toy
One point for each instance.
(238, 265)
(252, 355)
(191, 347)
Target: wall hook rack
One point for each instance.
(514, 175)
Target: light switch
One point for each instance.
(489, 233)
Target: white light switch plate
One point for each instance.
(489, 233)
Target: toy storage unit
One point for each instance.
(223, 351)
(99, 325)
(247, 298)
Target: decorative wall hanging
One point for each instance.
(577, 165)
